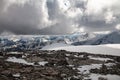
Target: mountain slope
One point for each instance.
(17, 42)
(112, 38)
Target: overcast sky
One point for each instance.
(58, 16)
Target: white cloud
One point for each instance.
(82, 29)
(58, 16)
(118, 27)
(28, 12)
(74, 12)
(109, 17)
(97, 6)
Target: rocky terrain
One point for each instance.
(58, 65)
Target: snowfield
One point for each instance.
(117, 46)
(107, 49)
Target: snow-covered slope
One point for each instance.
(100, 49)
(112, 38)
(117, 46)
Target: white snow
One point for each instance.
(67, 55)
(102, 32)
(17, 60)
(78, 55)
(108, 77)
(43, 63)
(16, 75)
(100, 59)
(15, 53)
(86, 68)
(95, 49)
(113, 45)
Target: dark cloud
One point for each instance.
(27, 18)
(97, 23)
(58, 16)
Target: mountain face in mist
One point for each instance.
(111, 38)
(39, 41)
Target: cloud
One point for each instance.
(118, 27)
(101, 15)
(26, 16)
(58, 16)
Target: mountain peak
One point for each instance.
(6, 33)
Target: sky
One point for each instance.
(58, 16)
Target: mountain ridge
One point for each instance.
(39, 41)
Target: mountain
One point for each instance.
(20, 42)
(39, 41)
(112, 38)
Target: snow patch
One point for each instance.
(108, 77)
(100, 59)
(16, 75)
(86, 68)
(17, 60)
(43, 63)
